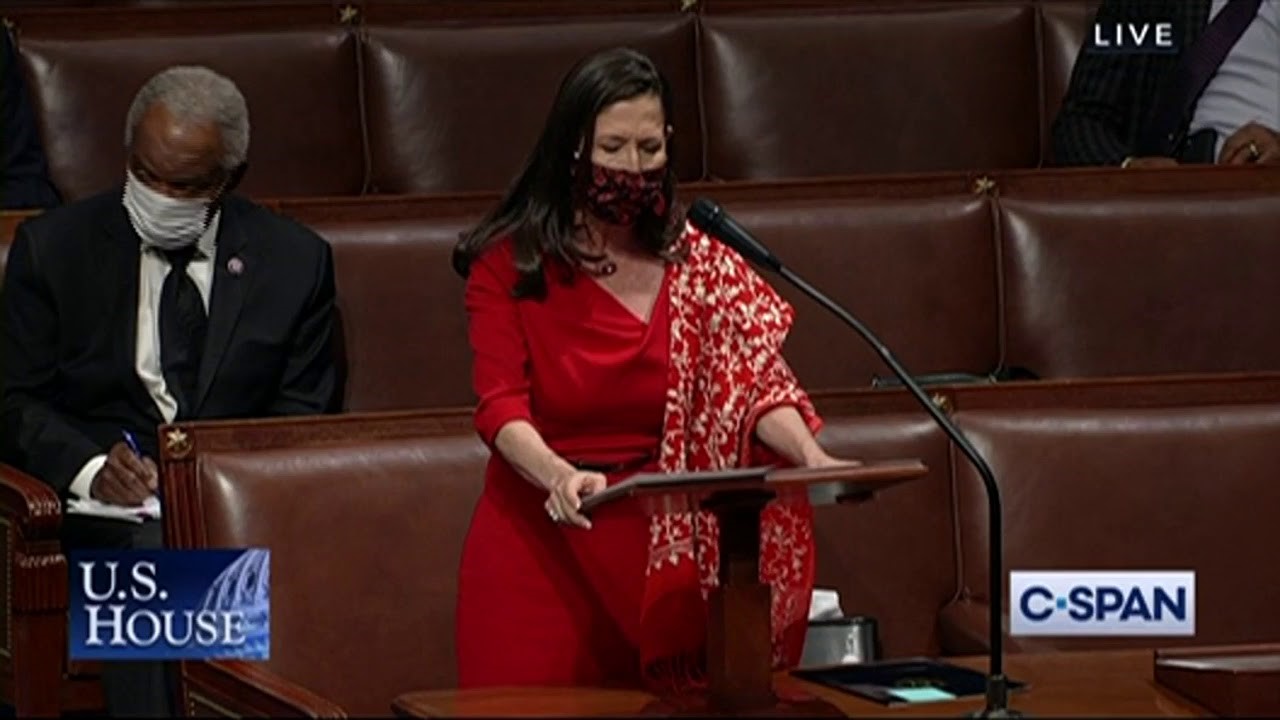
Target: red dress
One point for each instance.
(624, 603)
(591, 376)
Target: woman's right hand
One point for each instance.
(566, 496)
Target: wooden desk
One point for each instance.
(1108, 683)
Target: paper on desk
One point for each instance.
(825, 605)
(150, 509)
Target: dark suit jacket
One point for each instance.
(24, 176)
(1111, 96)
(68, 332)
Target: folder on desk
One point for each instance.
(902, 682)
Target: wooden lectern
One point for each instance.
(739, 650)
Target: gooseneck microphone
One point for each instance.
(708, 217)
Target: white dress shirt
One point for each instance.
(1246, 87)
(153, 268)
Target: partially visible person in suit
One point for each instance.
(1215, 100)
(24, 174)
(167, 298)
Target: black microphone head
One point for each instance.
(705, 214)
(711, 219)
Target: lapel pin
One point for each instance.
(235, 266)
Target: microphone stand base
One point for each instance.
(996, 713)
(997, 700)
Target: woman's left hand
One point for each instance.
(820, 459)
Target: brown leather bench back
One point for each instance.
(1133, 284)
(1072, 282)
(359, 517)
(391, 96)
(403, 325)
(892, 558)
(365, 540)
(362, 512)
(1172, 488)
(459, 107)
(796, 93)
(918, 272)
(300, 83)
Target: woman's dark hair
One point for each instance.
(538, 210)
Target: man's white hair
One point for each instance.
(198, 94)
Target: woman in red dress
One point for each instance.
(610, 337)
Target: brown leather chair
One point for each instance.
(1138, 284)
(364, 516)
(300, 84)
(918, 271)
(401, 315)
(34, 674)
(1155, 488)
(797, 93)
(455, 108)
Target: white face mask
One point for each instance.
(162, 221)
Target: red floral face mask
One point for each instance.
(618, 197)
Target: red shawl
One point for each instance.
(726, 371)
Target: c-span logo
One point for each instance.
(1102, 603)
(170, 604)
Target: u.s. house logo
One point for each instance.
(170, 604)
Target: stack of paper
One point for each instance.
(825, 605)
(147, 510)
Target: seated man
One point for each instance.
(24, 176)
(1216, 99)
(166, 298)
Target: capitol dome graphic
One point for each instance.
(246, 586)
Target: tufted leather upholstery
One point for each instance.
(300, 85)
(797, 94)
(364, 511)
(396, 97)
(1140, 284)
(459, 108)
(1171, 488)
(365, 543)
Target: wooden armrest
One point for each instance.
(32, 506)
(234, 688)
(35, 607)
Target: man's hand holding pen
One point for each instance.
(126, 478)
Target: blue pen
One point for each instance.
(132, 443)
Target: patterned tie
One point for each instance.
(1196, 66)
(183, 322)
